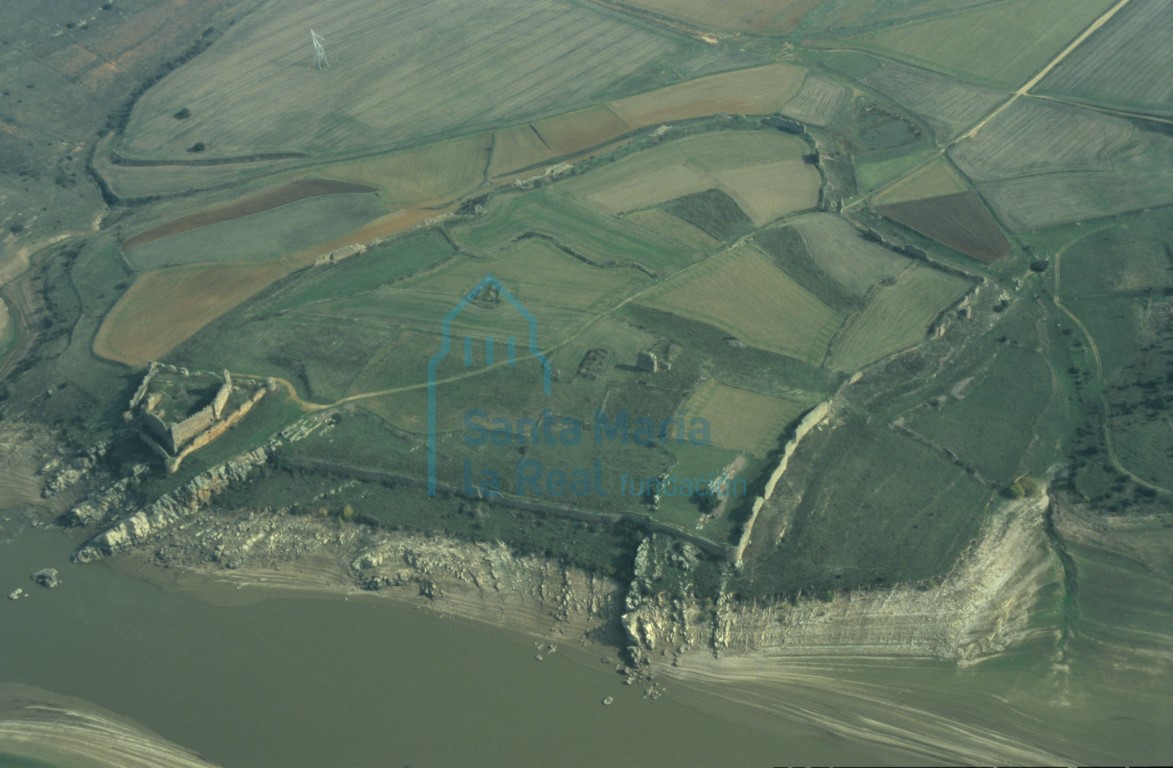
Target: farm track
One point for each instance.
(1022, 90)
(1109, 439)
(583, 327)
(574, 334)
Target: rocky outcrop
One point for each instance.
(103, 504)
(47, 577)
(185, 502)
(982, 607)
(61, 473)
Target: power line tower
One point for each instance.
(320, 60)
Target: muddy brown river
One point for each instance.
(281, 680)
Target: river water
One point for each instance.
(331, 682)
(328, 681)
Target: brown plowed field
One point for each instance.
(959, 221)
(262, 201)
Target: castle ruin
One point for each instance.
(179, 411)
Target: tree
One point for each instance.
(1022, 487)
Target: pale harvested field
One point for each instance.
(763, 171)
(935, 179)
(853, 263)
(400, 70)
(742, 420)
(165, 307)
(1001, 44)
(518, 146)
(749, 91)
(1125, 64)
(744, 294)
(433, 173)
(950, 105)
(537, 272)
(897, 317)
(1034, 136)
(582, 129)
(769, 191)
(819, 100)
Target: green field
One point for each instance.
(602, 239)
(762, 170)
(950, 106)
(261, 236)
(871, 174)
(1139, 177)
(896, 317)
(745, 294)
(990, 420)
(868, 507)
(743, 420)
(1124, 63)
(451, 67)
(839, 251)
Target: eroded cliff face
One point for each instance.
(982, 607)
(138, 527)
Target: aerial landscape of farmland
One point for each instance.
(750, 383)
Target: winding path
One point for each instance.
(1109, 439)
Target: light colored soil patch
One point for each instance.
(5, 324)
(748, 91)
(167, 306)
(766, 192)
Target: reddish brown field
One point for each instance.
(262, 201)
(165, 307)
(959, 221)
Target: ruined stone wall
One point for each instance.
(185, 430)
(222, 394)
(141, 392)
(157, 429)
(216, 430)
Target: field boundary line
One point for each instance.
(1022, 90)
